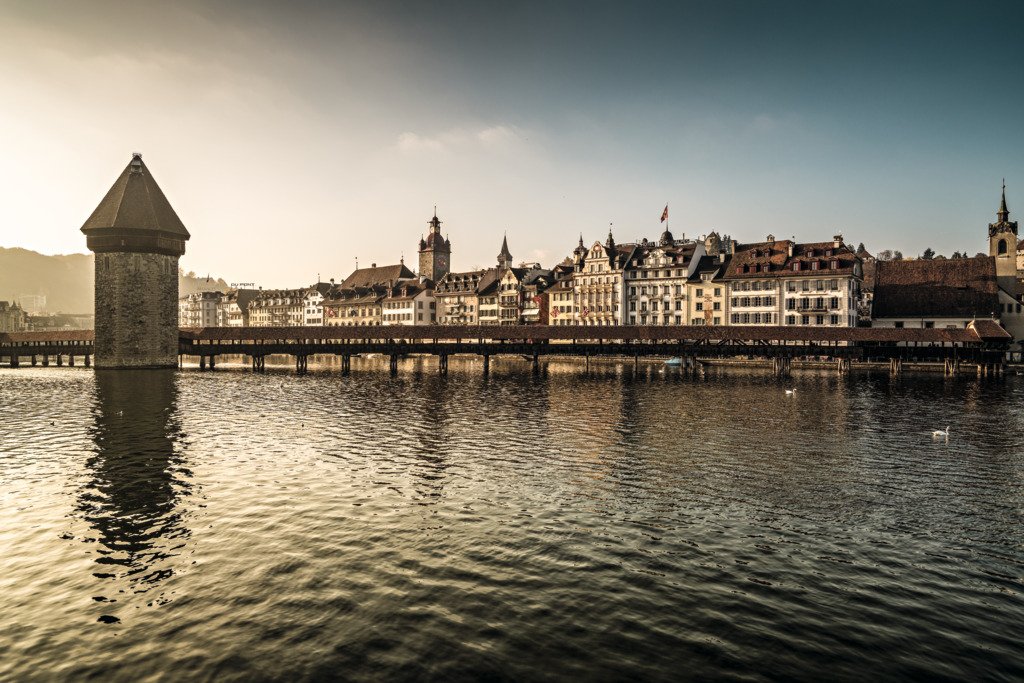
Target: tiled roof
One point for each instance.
(380, 275)
(412, 290)
(763, 259)
(936, 288)
(136, 202)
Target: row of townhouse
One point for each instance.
(253, 307)
(713, 281)
(384, 295)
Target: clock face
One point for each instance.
(442, 261)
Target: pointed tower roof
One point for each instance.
(135, 216)
(136, 202)
(1003, 212)
(504, 256)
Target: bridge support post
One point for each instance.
(636, 363)
(895, 366)
(442, 364)
(46, 360)
(71, 360)
(782, 366)
(14, 359)
(536, 363)
(346, 364)
(88, 360)
(487, 364)
(60, 361)
(587, 362)
(202, 362)
(33, 360)
(394, 364)
(213, 362)
(301, 363)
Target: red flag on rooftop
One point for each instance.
(664, 214)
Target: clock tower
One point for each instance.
(435, 252)
(1002, 244)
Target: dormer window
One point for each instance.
(796, 266)
(833, 264)
(810, 253)
(814, 265)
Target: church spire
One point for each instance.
(1003, 214)
(504, 256)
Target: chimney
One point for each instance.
(771, 238)
(790, 250)
(373, 265)
(721, 257)
(837, 241)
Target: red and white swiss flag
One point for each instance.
(664, 214)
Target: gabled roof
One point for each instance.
(710, 264)
(136, 203)
(929, 288)
(488, 281)
(379, 275)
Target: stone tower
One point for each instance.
(137, 238)
(1002, 244)
(435, 252)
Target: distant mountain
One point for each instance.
(66, 279)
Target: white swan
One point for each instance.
(939, 432)
(790, 392)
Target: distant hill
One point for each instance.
(66, 279)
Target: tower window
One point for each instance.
(1002, 247)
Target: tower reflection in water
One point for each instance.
(133, 498)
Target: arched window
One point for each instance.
(1002, 247)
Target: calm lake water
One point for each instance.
(170, 525)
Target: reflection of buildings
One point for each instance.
(137, 478)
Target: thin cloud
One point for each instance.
(459, 139)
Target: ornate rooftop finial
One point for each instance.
(1003, 213)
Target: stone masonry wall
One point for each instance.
(136, 310)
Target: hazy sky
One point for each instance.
(293, 137)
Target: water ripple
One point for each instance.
(574, 524)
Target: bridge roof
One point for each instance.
(748, 333)
(979, 331)
(51, 336)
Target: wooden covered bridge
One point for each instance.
(982, 344)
